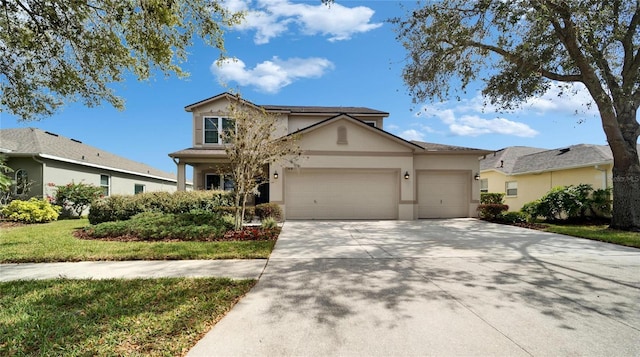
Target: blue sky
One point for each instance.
(304, 53)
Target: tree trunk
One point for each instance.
(626, 173)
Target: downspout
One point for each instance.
(43, 165)
(604, 176)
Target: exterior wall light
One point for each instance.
(476, 177)
(406, 175)
(275, 175)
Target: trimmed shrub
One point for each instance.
(118, 207)
(269, 210)
(491, 205)
(491, 211)
(31, 211)
(249, 212)
(489, 198)
(191, 226)
(513, 217)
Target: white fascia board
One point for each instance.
(57, 158)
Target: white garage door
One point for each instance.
(341, 194)
(443, 194)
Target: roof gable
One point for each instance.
(36, 142)
(329, 139)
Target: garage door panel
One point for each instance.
(341, 194)
(443, 195)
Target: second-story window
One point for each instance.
(212, 129)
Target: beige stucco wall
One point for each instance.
(367, 149)
(298, 122)
(533, 186)
(455, 163)
(219, 108)
(359, 138)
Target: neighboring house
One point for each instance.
(526, 174)
(350, 168)
(44, 159)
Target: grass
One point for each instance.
(112, 317)
(598, 232)
(54, 242)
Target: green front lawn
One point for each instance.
(54, 242)
(597, 232)
(112, 317)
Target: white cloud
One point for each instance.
(412, 134)
(566, 98)
(472, 125)
(272, 18)
(270, 76)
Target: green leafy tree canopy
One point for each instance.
(521, 47)
(59, 51)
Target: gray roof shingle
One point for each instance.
(32, 141)
(504, 159)
(445, 148)
(573, 156)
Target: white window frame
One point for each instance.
(510, 186)
(136, 185)
(106, 188)
(222, 179)
(218, 123)
(21, 185)
(484, 185)
(369, 122)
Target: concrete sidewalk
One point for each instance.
(233, 268)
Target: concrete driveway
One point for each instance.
(435, 287)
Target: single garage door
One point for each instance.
(443, 194)
(341, 194)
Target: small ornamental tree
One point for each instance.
(252, 146)
(74, 198)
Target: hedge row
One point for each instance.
(119, 207)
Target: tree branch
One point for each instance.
(521, 62)
(631, 62)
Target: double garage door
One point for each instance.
(372, 194)
(341, 194)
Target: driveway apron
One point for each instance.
(434, 287)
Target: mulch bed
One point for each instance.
(10, 224)
(246, 234)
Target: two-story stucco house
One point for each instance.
(352, 168)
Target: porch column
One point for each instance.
(182, 181)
